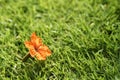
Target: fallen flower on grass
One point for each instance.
(36, 48)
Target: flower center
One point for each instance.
(36, 49)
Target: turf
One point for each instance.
(83, 35)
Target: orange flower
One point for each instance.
(37, 48)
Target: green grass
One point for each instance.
(84, 36)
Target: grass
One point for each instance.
(84, 36)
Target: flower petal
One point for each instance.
(36, 40)
(33, 52)
(29, 45)
(44, 51)
(39, 57)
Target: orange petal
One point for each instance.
(39, 57)
(44, 51)
(36, 40)
(29, 45)
(33, 52)
(43, 47)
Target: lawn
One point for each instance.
(83, 36)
